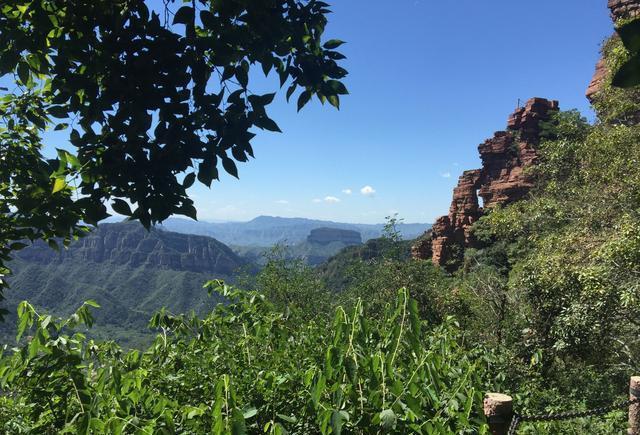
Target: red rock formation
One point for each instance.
(597, 81)
(501, 180)
(422, 247)
(620, 10)
(623, 9)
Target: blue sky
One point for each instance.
(429, 80)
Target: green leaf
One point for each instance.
(337, 421)
(267, 124)
(630, 35)
(333, 43)
(291, 90)
(189, 179)
(25, 318)
(230, 166)
(58, 185)
(242, 74)
(238, 426)
(629, 74)
(334, 100)
(92, 303)
(388, 419)
(303, 99)
(73, 160)
(58, 112)
(120, 206)
(267, 65)
(185, 15)
(190, 211)
(36, 63)
(207, 171)
(337, 87)
(288, 419)
(261, 100)
(249, 412)
(23, 72)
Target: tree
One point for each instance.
(150, 103)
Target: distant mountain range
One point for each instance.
(268, 230)
(130, 272)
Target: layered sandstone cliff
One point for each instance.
(502, 179)
(129, 244)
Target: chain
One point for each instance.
(517, 419)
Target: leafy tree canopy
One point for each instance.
(151, 103)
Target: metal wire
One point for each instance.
(603, 410)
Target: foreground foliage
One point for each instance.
(247, 367)
(148, 104)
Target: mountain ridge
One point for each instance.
(267, 231)
(128, 271)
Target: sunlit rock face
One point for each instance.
(623, 9)
(502, 180)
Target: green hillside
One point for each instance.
(130, 272)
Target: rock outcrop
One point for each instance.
(129, 244)
(624, 9)
(422, 247)
(597, 81)
(502, 179)
(324, 236)
(620, 10)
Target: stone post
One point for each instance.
(498, 408)
(634, 410)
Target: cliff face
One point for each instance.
(131, 245)
(623, 9)
(324, 236)
(620, 10)
(502, 179)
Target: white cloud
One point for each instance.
(331, 199)
(347, 191)
(445, 174)
(317, 200)
(282, 201)
(368, 191)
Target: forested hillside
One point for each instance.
(129, 271)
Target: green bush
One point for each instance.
(247, 368)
